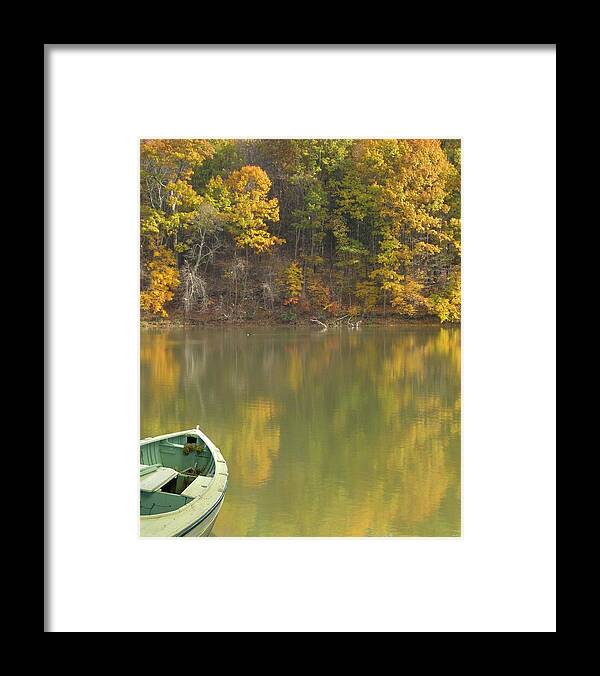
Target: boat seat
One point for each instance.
(197, 487)
(153, 478)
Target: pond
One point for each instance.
(326, 433)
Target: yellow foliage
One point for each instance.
(407, 298)
(164, 279)
(447, 306)
(182, 196)
(173, 159)
(367, 292)
(242, 198)
(293, 281)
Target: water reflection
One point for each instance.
(334, 433)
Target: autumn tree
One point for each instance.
(367, 293)
(408, 180)
(170, 209)
(243, 200)
(164, 279)
(293, 281)
(168, 200)
(447, 304)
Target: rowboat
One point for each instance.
(183, 479)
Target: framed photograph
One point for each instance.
(312, 286)
(296, 331)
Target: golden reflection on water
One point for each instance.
(339, 433)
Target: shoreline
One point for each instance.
(178, 322)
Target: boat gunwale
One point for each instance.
(197, 431)
(187, 529)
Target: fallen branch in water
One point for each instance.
(339, 322)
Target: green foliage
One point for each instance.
(226, 158)
(288, 316)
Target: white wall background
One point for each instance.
(500, 575)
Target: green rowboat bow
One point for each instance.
(183, 479)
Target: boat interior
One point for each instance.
(173, 471)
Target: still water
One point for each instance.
(334, 433)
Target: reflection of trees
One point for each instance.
(159, 366)
(159, 378)
(325, 434)
(254, 442)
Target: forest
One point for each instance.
(323, 230)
